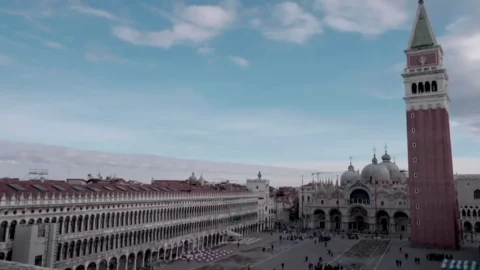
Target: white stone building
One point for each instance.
(266, 205)
(117, 225)
(468, 195)
(374, 199)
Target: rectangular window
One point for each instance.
(39, 187)
(416, 190)
(17, 187)
(78, 188)
(417, 206)
(58, 187)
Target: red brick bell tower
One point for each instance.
(433, 202)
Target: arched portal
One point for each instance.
(80, 267)
(383, 221)
(467, 227)
(92, 266)
(103, 265)
(123, 262)
(131, 261)
(113, 264)
(319, 218)
(401, 222)
(359, 196)
(358, 218)
(335, 220)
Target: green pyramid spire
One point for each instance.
(422, 34)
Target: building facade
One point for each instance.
(468, 190)
(266, 205)
(116, 224)
(428, 137)
(374, 200)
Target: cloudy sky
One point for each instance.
(110, 86)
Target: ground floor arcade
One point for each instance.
(359, 219)
(147, 254)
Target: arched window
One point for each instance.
(427, 87)
(414, 88)
(476, 194)
(464, 213)
(434, 86)
(420, 88)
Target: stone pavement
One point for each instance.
(365, 254)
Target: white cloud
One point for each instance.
(191, 24)
(53, 45)
(90, 11)
(97, 54)
(289, 23)
(62, 162)
(369, 17)
(6, 60)
(461, 44)
(242, 62)
(205, 50)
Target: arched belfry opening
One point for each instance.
(420, 88)
(414, 88)
(434, 86)
(427, 87)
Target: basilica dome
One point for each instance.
(349, 176)
(375, 171)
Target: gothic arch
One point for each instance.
(467, 226)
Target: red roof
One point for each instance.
(60, 186)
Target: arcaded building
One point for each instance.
(374, 199)
(430, 160)
(468, 190)
(116, 224)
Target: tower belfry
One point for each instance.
(430, 167)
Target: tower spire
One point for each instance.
(422, 33)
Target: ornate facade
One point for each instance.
(374, 199)
(117, 225)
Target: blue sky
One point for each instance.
(301, 84)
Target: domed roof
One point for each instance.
(375, 171)
(392, 168)
(349, 176)
(192, 177)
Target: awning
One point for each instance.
(230, 233)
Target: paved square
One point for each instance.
(364, 254)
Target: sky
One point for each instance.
(162, 88)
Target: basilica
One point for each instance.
(373, 199)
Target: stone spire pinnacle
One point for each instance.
(422, 33)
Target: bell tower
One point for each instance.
(433, 202)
